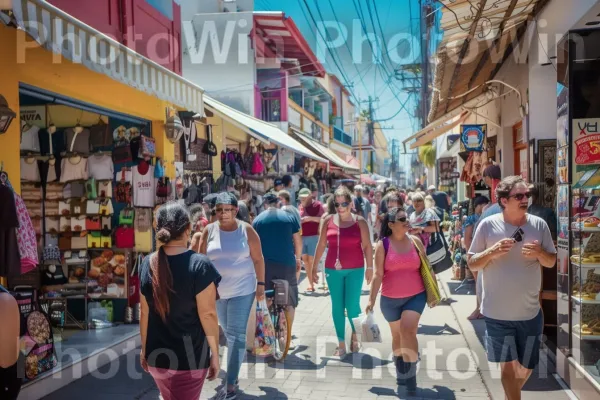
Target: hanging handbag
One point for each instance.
(126, 217)
(429, 281)
(163, 188)
(122, 154)
(124, 190)
(147, 147)
(133, 295)
(100, 135)
(125, 237)
(143, 241)
(437, 252)
(106, 238)
(106, 222)
(94, 240)
(159, 169)
(257, 164)
(79, 242)
(209, 147)
(51, 254)
(92, 223)
(105, 189)
(91, 189)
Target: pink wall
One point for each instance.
(136, 24)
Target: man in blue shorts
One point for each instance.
(509, 250)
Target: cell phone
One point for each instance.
(518, 236)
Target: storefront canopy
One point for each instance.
(438, 128)
(65, 35)
(261, 130)
(326, 152)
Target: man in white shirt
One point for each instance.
(509, 250)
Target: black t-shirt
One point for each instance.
(180, 343)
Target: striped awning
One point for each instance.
(65, 35)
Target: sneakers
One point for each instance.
(223, 394)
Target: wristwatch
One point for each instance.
(260, 284)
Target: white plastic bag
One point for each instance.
(368, 329)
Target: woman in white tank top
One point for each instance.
(234, 248)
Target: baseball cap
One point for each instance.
(226, 198)
(358, 187)
(210, 199)
(303, 193)
(431, 187)
(278, 182)
(270, 198)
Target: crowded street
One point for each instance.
(309, 371)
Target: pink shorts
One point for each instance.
(179, 385)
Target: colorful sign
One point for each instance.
(562, 211)
(472, 137)
(562, 165)
(33, 115)
(586, 140)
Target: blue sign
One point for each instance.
(472, 137)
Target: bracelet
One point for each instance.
(260, 284)
(369, 268)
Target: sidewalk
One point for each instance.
(541, 385)
(448, 368)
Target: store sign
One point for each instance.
(34, 115)
(586, 140)
(455, 175)
(472, 137)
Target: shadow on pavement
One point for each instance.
(438, 392)
(433, 330)
(270, 393)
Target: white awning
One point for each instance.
(259, 129)
(326, 152)
(65, 35)
(439, 127)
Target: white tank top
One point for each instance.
(230, 253)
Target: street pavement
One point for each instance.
(452, 363)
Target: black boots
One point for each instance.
(400, 378)
(406, 374)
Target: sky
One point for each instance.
(367, 78)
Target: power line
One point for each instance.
(340, 69)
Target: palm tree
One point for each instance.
(427, 155)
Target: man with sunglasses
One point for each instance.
(508, 250)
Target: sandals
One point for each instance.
(339, 352)
(355, 346)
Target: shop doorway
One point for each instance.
(520, 151)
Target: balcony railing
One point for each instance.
(341, 136)
(306, 122)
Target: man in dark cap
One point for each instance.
(278, 185)
(281, 243)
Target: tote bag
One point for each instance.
(437, 252)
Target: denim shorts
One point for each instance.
(392, 309)
(507, 341)
(309, 245)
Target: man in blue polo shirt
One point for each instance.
(279, 233)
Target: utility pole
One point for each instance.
(371, 135)
(424, 30)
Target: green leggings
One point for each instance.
(345, 286)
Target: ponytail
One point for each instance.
(162, 282)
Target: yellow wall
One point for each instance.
(72, 80)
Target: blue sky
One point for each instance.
(395, 18)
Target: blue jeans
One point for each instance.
(233, 318)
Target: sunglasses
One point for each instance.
(518, 235)
(521, 196)
(401, 219)
(344, 204)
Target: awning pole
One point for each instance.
(484, 117)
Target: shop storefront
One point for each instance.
(87, 157)
(578, 174)
(252, 153)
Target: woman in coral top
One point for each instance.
(350, 249)
(403, 296)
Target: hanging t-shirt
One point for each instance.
(101, 167)
(74, 171)
(30, 140)
(80, 142)
(30, 170)
(51, 143)
(143, 185)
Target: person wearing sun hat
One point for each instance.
(311, 212)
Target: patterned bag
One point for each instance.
(163, 188)
(147, 147)
(124, 192)
(51, 254)
(122, 154)
(264, 338)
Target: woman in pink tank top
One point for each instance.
(350, 250)
(403, 296)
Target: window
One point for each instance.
(271, 110)
(297, 96)
(165, 7)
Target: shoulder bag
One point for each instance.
(437, 252)
(429, 281)
(209, 147)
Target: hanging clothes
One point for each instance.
(10, 258)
